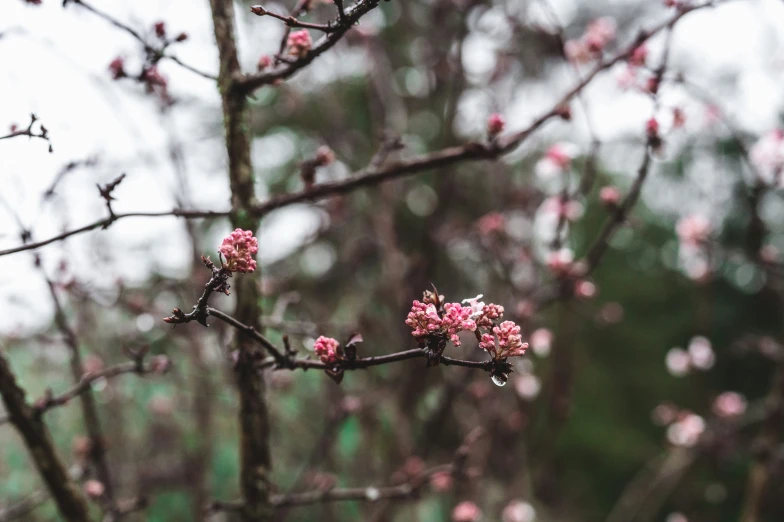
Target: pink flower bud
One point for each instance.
(652, 128)
(264, 61)
(495, 125)
(160, 29)
(117, 68)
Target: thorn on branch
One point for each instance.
(106, 193)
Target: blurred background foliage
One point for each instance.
(570, 431)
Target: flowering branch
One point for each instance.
(43, 132)
(290, 21)
(372, 176)
(157, 53)
(250, 82)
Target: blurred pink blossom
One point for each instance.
(299, 43)
(687, 430)
(767, 156)
(466, 511)
(693, 230)
(729, 404)
(541, 341)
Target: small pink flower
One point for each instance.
(117, 68)
(94, 489)
(495, 125)
(509, 344)
(264, 61)
(326, 348)
(466, 511)
(239, 249)
(423, 319)
(693, 230)
(299, 43)
(491, 223)
(489, 313)
(729, 404)
(610, 196)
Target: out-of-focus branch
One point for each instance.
(107, 221)
(70, 502)
(43, 132)
(92, 424)
(406, 490)
(290, 21)
(139, 367)
(156, 52)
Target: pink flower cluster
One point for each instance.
(238, 249)
(327, 349)
(592, 43)
(299, 43)
(425, 320)
(490, 312)
(510, 343)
